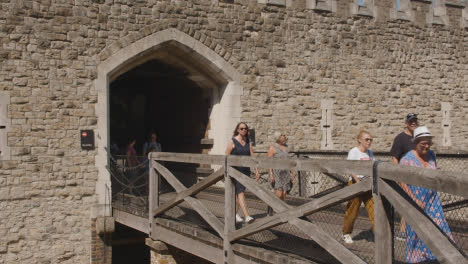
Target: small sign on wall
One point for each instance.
(87, 139)
(252, 136)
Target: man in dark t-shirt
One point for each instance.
(403, 141)
(401, 145)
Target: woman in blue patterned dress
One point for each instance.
(429, 200)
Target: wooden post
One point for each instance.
(153, 197)
(229, 214)
(383, 219)
(383, 216)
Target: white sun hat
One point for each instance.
(421, 131)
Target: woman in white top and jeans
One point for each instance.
(361, 152)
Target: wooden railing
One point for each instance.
(386, 194)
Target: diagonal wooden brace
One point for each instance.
(195, 189)
(311, 207)
(198, 206)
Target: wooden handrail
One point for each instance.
(319, 165)
(188, 158)
(442, 181)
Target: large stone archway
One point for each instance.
(206, 68)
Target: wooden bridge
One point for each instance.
(200, 218)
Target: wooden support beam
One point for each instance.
(316, 233)
(197, 248)
(442, 181)
(311, 207)
(189, 158)
(136, 222)
(200, 186)
(198, 206)
(441, 246)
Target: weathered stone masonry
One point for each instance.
(374, 62)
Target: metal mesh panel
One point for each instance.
(129, 185)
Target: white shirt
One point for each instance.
(356, 154)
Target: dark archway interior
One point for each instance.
(156, 96)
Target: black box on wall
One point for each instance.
(87, 139)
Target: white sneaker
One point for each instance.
(239, 219)
(249, 219)
(347, 239)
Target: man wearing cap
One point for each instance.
(403, 143)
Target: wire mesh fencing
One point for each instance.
(129, 183)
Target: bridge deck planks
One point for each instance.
(303, 246)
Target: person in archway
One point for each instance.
(281, 180)
(131, 153)
(429, 200)
(361, 152)
(240, 145)
(152, 143)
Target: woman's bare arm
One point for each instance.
(271, 153)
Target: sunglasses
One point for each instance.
(243, 128)
(368, 139)
(425, 144)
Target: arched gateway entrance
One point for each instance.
(180, 88)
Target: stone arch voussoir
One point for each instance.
(148, 30)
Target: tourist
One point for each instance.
(151, 144)
(132, 159)
(361, 152)
(403, 143)
(281, 179)
(428, 200)
(240, 145)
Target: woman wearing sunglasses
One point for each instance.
(429, 200)
(240, 145)
(361, 152)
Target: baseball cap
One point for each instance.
(411, 116)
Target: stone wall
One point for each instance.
(373, 68)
